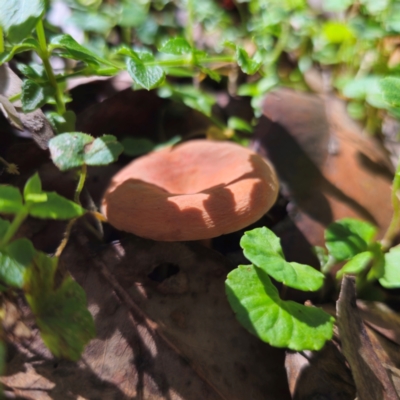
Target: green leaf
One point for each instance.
(190, 96)
(19, 17)
(357, 264)
(68, 149)
(391, 90)
(26, 45)
(65, 324)
(70, 48)
(103, 151)
(62, 123)
(137, 146)
(34, 95)
(247, 65)
(149, 77)
(73, 149)
(176, 46)
(262, 247)
(347, 237)
(239, 124)
(4, 225)
(257, 305)
(56, 207)
(14, 259)
(337, 32)
(391, 275)
(10, 200)
(32, 186)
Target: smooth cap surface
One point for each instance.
(197, 190)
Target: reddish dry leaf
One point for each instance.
(328, 170)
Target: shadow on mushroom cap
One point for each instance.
(150, 211)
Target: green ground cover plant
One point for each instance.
(287, 40)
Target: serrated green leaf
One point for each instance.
(357, 264)
(247, 65)
(262, 247)
(69, 48)
(19, 17)
(73, 149)
(65, 324)
(14, 259)
(56, 207)
(103, 151)
(34, 96)
(10, 200)
(149, 77)
(347, 237)
(257, 305)
(68, 149)
(391, 90)
(391, 274)
(176, 46)
(26, 45)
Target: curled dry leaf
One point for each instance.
(327, 169)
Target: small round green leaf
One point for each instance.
(391, 275)
(247, 65)
(391, 90)
(10, 200)
(14, 259)
(176, 46)
(33, 186)
(19, 17)
(357, 264)
(73, 149)
(68, 149)
(56, 207)
(347, 237)
(69, 48)
(149, 77)
(34, 95)
(262, 247)
(257, 305)
(103, 151)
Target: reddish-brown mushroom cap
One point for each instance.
(197, 190)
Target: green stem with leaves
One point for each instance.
(45, 56)
(1, 40)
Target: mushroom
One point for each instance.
(197, 190)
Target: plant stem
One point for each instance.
(45, 56)
(81, 183)
(1, 40)
(78, 191)
(190, 22)
(394, 223)
(183, 62)
(13, 228)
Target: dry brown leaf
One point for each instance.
(168, 336)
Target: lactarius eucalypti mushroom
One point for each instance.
(196, 190)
